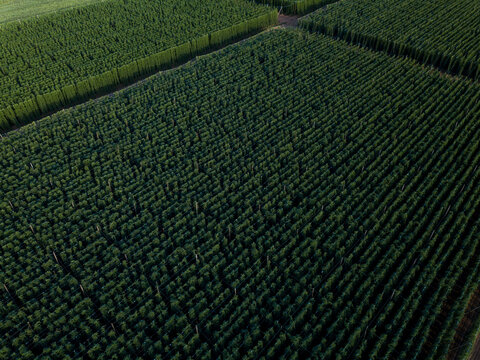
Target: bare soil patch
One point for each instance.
(287, 20)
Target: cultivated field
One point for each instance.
(54, 61)
(442, 33)
(11, 10)
(309, 192)
(291, 195)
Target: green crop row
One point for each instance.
(296, 7)
(288, 197)
(54, 61)
(441, 33)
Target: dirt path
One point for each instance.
(287, 20)
(464, 328)
(475, 354)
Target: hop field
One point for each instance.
(443, 33)
(14, 10)
(288, 197)
(56, 60)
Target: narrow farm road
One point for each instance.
(288, 20)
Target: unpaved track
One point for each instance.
(288, 21)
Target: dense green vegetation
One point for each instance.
(443, 33)
(52, 61)
(11, 10)
(296, 7)
(288, 197)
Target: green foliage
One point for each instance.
(69, 56)
(14, 10)
(69, 94)
(450, 41)
(296, 7)
(290, 196)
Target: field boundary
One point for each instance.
(466, 337)
(475, 350)
(43, 105)
(444, 62)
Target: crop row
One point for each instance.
(296, 7)
(436, 32)
(288, 197)
(57, 60)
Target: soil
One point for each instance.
(287, 21)
(464, 327)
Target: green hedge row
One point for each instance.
(32, 109)
(305, 6)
